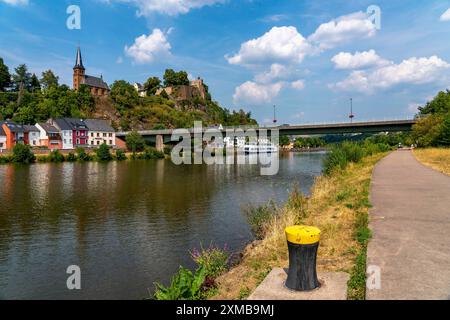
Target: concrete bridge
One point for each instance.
(159, 137)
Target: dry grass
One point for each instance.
(333, 206)
(436, 158)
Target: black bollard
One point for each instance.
(303, 243)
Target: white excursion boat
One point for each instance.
(260, 148)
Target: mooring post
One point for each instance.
(303, 243)
(159, 143)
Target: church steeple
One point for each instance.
(79, 60)
(78, 71)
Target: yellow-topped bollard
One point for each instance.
(303, 243)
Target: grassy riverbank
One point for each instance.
(339, 206)
(436, 158)
(24, 154)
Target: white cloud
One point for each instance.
(342, 30)
(446, 16)
(16, 2)
(279, 45)
(277, 71)
(168, 7)
(119, 60)
(253, 93)
(148, 48)
(410, 71)
(345, 60)
(298, 84)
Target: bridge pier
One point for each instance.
(160, 143)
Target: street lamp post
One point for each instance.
(351, 116)
(274, 115)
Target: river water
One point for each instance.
(126, 224)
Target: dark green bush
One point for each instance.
(22, 154)
(56, 156)
(151, 153)
(71, 157)
(347, 152)
(82, 155)
(103, 153)
(120, 155)
(5, 159)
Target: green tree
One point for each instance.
(152, 84)
(124, 95)
(21, 78)
(427, 130)
(172, 78)
(439, 105)
(22, 154)
(284, 141)
(103, 153)
(35, 85)
(135, 142)
(444, 136)
(5, 76)
(49, 79)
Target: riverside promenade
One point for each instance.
(410, 223)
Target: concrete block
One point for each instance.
(333, 287)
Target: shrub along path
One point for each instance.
(410, 223)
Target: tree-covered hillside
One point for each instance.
(27, 99)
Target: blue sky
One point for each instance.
(306, 57)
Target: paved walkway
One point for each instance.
(410, 222)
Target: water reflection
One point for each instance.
(125, 224)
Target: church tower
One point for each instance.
(78, 71)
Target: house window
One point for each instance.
(110, 142)
(70, 141)
(110, 134)
(78, 133)
(98, 134)
(78, 141)
(104, 134)
(65, 141)
(98, 142)
(92, 134)
(92, 142)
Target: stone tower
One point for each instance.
(78, 71)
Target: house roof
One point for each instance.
(95, 82)
(62, 124)
(70, 123)
(29, 128)
(14, 127)
(48, 128)
(99, 125)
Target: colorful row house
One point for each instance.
(61, 134)
(16, 133)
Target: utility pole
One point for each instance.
(351, 116)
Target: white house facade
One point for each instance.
(100, 131)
